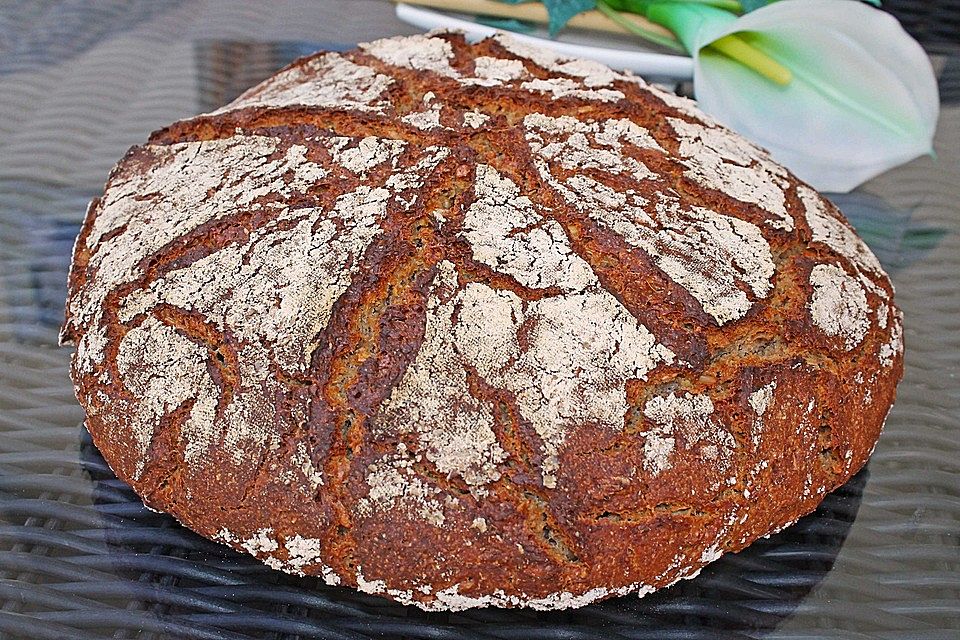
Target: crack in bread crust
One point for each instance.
(476, 306)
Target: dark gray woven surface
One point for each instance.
(80, 557)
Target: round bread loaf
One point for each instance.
(468, 325)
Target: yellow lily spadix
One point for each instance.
(836, 90)
(737, 48)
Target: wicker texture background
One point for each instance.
(80, 557)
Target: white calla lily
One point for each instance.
(862, 96)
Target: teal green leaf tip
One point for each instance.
(506, 24)
(560, 11)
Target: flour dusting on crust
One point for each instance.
(893, 348)
(686, 416)
(498, 70)
(567, 141)
(838, 304)
(539, 257)
(761, 398)
(722, 160)
(419, 52)
(395, 485)
(566, 88)
(833, 232)
(274, 293)
(464, 442)
(583, 345)
(593, 74)
(164, 369)
(329, 80)
(709, 254)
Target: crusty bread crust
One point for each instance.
(468, 325)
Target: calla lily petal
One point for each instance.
(863, 97)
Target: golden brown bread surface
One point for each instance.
(469, 325)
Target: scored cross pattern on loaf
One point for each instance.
(468, 325)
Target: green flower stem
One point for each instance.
(694, 24)
(733, 46)
(727, 5)
(697, 27)
(614, 15)
(639, 6)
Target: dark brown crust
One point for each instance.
(606, 524)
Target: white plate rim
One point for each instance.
(643, 63)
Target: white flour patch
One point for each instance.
(582, 345)
(304, 552)
(893, 348)
(90, 351)
(164, 369)
(305, 173)
(425, 120)
(687, 416)
(883, 316)
(708, 254)
(495, 71)
(567, 88)
(593, 74)
(567, 141)
(538, 257)
(419, 52)
(722, 160)
(329, 80)
(260, 543)
(395, 486)
(369, 586)
(475, 119)
(711, 554)
(450, 599)
(838, 304)
(360, 157)
(432, 398)
(761, 398)
(830, 230)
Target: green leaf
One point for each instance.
(560, 11)
(694, 23)
(506, 24)
(753, 5)
(670, 43)
(640, 6)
